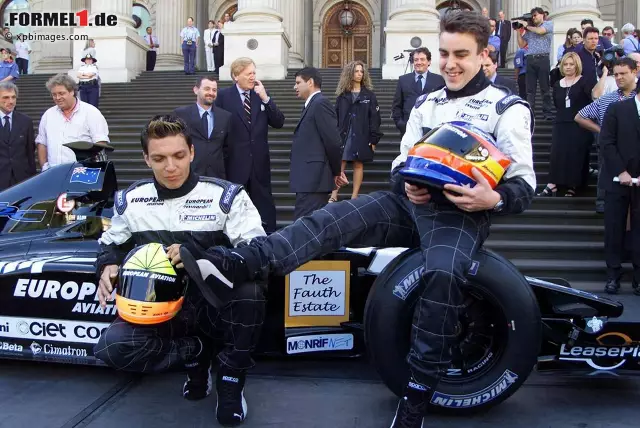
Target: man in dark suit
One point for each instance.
(209, 127)
(412, 85)
(252, 112)
(218, 47)
(490, 68)
(620, 148)
(17, 140)
(316, 155)
(503, 30)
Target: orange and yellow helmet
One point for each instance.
(448, 153)
(149, 290)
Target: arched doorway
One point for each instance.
(14, 6)
(340, 46)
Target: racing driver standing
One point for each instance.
(177, 208)
(448, 225)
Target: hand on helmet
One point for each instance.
(417, 194)
(479, 198)
(173, 253)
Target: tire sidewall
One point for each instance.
(388, 323)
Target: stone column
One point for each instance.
(408, 19)
(293, 13)
(51, 57)
(120, 51)
(566, 14)
(257, 32)
(171, 16)
(201, 22)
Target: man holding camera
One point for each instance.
(538, 37)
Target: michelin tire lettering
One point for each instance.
(483, 396)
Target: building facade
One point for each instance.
(280, 34)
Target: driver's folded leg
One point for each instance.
(187, 341)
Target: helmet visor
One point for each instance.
(459, 142)
(145, 286)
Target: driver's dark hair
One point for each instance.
(163, 126)
(424, 51)
(472, 23)
(620, 62)
(311, 73)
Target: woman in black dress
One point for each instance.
(358, 121)
(570, 143)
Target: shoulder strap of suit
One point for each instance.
(121, 195)
(511, 100)
(230, 192)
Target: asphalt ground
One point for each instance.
(296, 394)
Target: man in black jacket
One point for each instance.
(315, 152)
(17, 140)
(621, 157)
(448, 228)
(490, 68)
(412, 85)
(209, 127)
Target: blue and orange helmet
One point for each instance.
(448, 153)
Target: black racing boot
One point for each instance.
(231, 409)
(199, 381)
(412, 406)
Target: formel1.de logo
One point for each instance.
(60, 19)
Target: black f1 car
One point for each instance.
(351, 302)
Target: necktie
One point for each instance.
(247, 106)
(205, 123)
(419, 83)
(6, 127)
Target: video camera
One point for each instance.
(526, 17)
(401, 55)
(609, 56)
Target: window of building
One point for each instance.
(141, 18)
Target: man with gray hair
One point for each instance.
(17, 140)
(69, 120)
(629, 41)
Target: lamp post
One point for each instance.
(347, 18)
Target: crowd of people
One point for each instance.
(217, 148)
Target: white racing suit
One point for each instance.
(204, 212)
(448, 236)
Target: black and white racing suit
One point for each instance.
(448, 236)
(202, 213)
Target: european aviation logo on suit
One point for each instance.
(85, 175)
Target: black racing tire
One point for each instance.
(499, 341)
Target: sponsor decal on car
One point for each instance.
(4, 327)
(483, 396)
(319, 342)
(69, 290)
(615, 355)
(63, 351)
(197, 217)
(10, 347)
(14, 213)
(54, 330)
(36, 264)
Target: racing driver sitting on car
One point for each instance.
(448, 225)
(154, 210)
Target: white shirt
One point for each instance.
(88, 68)
(149, 39)
(306, 103)
(85, 124)
(22, 49)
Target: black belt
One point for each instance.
(89, 82)
(536, 55)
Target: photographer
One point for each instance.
(607, 82)
(538, 37)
